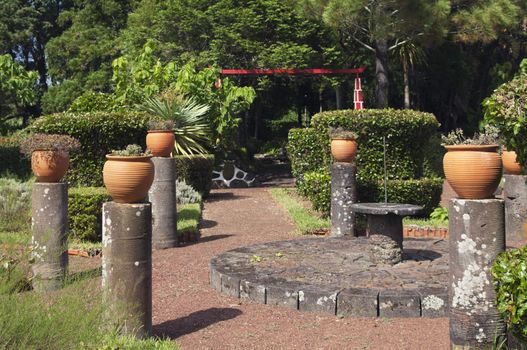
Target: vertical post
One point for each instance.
(476, 236)
(127, 265)
(49, 235)
(162, 195)
(343, 195)
(515, 195)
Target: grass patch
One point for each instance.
(305, 220)
(434, 223)
(188, 216)
(15, 238)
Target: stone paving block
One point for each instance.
(252, 291)
(434, 302)
(285, 295)
(317, 299)
(399, 303)
(358, 302)
(230, 285)
(215, 277)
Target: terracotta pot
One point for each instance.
(49, 166)
(510, 164)
(474, 172)
(344, 150)
(128, 179)
(160, 142)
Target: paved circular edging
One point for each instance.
(238, 273)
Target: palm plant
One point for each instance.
(190, 124)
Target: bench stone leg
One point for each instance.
(386, 237)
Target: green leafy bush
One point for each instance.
(308, 150)
(186, 194)
(196, 171)
(92, 101)
(505, 108)
(11, 161)
(98, 133)
(316, 186)
(85, 212)
(510, 281)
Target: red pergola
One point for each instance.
(357, 96)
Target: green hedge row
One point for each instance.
(12, 162)
(98, 133)
(408, 134)
(85, 212)
(196, 171)
(316, 186)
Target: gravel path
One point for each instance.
(188, 310)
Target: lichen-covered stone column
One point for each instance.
(127, 265)
(477, 236)
(49, 228)
(343, 195)
(515, 195)
(162, 195)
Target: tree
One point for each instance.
(17, 88)
(382, 26)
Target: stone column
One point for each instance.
(49, 235)
(343, 194)
(477, 236)
(127, 265)
(162, 195)
(515, 195)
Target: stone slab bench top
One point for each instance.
(387, 208)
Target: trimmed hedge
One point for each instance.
(85, 212)
(407, 135)
(98, 133)
(11, 161)
(316, 186)
(196, 171)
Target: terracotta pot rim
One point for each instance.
(160, 131)
(493, 147)
(128, 158)
(342, 139)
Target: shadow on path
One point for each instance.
(207, 223)
(194, 322)
(222, 196)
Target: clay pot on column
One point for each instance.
(343, 145)
(49, 155)
(473, 170)
(128, 174)
(160, 138)
(510, 163)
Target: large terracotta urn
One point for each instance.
(49, 166)
(128, 178)
(344, 150)
(510, 164)
(473, 171)
(160, 142)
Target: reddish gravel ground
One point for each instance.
(188, 310)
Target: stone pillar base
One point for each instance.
(515, 195)
(49, 235)
(343, 194)
(127, 265)
(162, 195)
(477, 236)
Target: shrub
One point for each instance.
(316, 186)
(85, 212)
(505, 108)
(98, 133)
(48, 142)
(196, 171)
(185, 194)
(510, 281)
(188, 217)
(407, 135)
(15, 204)
(11, 162)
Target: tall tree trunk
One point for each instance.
(338, 96)
(406, 80)
(381, 73)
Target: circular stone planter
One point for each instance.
(473, 171)
(336, 276)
